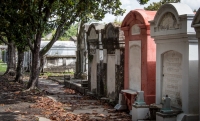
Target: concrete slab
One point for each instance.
(43, 119)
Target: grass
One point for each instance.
(56, 74)
(3, 67)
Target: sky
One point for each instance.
(133, 4)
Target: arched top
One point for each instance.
(92, 33)
(172, 57)
(111, 31)
(172, 52)
(196, 20)
(112, 37)
(139, 16)
(170, 12)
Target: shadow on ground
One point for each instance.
(7, 116)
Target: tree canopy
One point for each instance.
(72, 31)
(27, 20)
(157, 5)
(142, 2)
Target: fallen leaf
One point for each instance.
(17, 111)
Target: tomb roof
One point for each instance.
(177, 9)
(59, 44)
(140, 16)
(196, 20)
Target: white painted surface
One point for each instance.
(94, 74)
(189, 89)
(111, 75)
(139, 113)
(135, 65)
(172, 77)
(160, 118)
(180, 38)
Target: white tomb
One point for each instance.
(176, 58)
(93, 39)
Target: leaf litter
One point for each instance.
(28, 105)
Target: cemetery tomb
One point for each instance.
(81, 53)
(60, 58)
(113, 61)
(140, 56)
(196, 25)
(176, 58)
(93, 40)
(135, 65)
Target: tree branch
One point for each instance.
(30, 44)
(59, 32)
(3, 40)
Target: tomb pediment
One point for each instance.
(135, 29)
(93, 34)
(138, 16)
(111, 31)
(172, 19)
(110, 37)
(168, 22)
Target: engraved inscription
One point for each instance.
(135, 67)
(172, 77)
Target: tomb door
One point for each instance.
(172, 77)
(135, 66)
(94, 74)
(111, 76)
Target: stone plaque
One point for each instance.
(135, 29)
(111, 76)
(94, 74)
(135, 65)
(172, 77)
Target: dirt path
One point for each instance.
(52, 103)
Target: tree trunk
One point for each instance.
(35, 68)
(11, 60)
(19, 73)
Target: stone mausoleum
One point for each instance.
(94, 56)
(176, 60)
(113, 61)
(140, 56)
